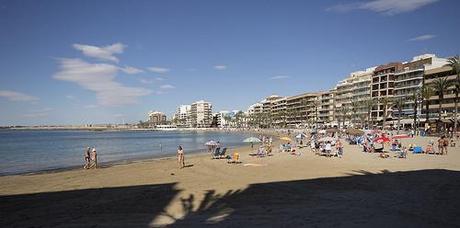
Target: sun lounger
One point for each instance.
(216, 153)
(222, 153)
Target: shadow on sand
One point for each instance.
(426, 198)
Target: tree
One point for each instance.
(440, 86)
(427, 92)
(399, 103)
(368, 105)
(454, 63)
(386, 102)
(415, 98)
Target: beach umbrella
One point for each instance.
(382, 140)
(285, 138)
(326, 139)
(211, 143)
(251, 140)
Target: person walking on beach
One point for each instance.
(87, 158)
(441, 145)
(180, 157)
(94, 158)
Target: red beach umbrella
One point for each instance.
(382, 140)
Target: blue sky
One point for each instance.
(77, 62)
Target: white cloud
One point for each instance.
(17, 96)
(159, 79)
(388, 7)
(131, 70)
(159, 70)
(423, 37)
(146, 81)
(279, 77)
(39, 113)
(220, 67)
(167, 86)
(99, 78)
(102, 53)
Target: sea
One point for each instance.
(29, 151)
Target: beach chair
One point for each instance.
(222, 153)
(216, 153)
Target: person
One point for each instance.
(328, 148)
(441, 145)
(180, 157)
(94, 158)
(446, 144)
(339, 148)
(252, 145)
(87, 158)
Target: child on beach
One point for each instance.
(180, 157)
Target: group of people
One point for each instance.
(90, 158)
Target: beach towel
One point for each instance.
(417, 150)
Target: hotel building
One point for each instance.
(156, 118)
(201, 114)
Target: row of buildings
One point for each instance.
(366, 96)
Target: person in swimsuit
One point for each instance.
(94, 158)
(87, 158)
(180, 157)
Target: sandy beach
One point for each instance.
(358, 190)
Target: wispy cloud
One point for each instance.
(159, 70)
(279, 77)
(220, 67)
(17, 96)
(131, 70)
(99, 78)
(388, 7)
(102, 53)
(167, 86)
(423, 37)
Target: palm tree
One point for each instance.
(385, 101)
(368, 105)
(415, 98)
(399, 103)
(454, 62)
(427, 92)
(440, 86)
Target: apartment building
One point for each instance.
(182, 115)
(433, 73)
(201, 114)
(301, 109)
(325, 108)
(156, 118)
(382, 90)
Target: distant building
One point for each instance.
(182, 115)
(201, 114)
(156, 118)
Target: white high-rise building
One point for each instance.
(182, 115)
(201, 114)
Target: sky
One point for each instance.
(109, 61)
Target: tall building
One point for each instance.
(301, 109)
(201, 114)
(351, 91)
(382, 90)
(325, 108)
(156, 118)
(432, 73)
(408, 82)
(182, 115)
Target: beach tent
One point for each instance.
(251, 140)
(382, 140)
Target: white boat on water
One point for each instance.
(166, 127)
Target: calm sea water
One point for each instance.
(25, 151)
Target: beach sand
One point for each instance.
(358, 190)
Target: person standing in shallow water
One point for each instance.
(180, 157)
(94, 158)
(87, 158)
